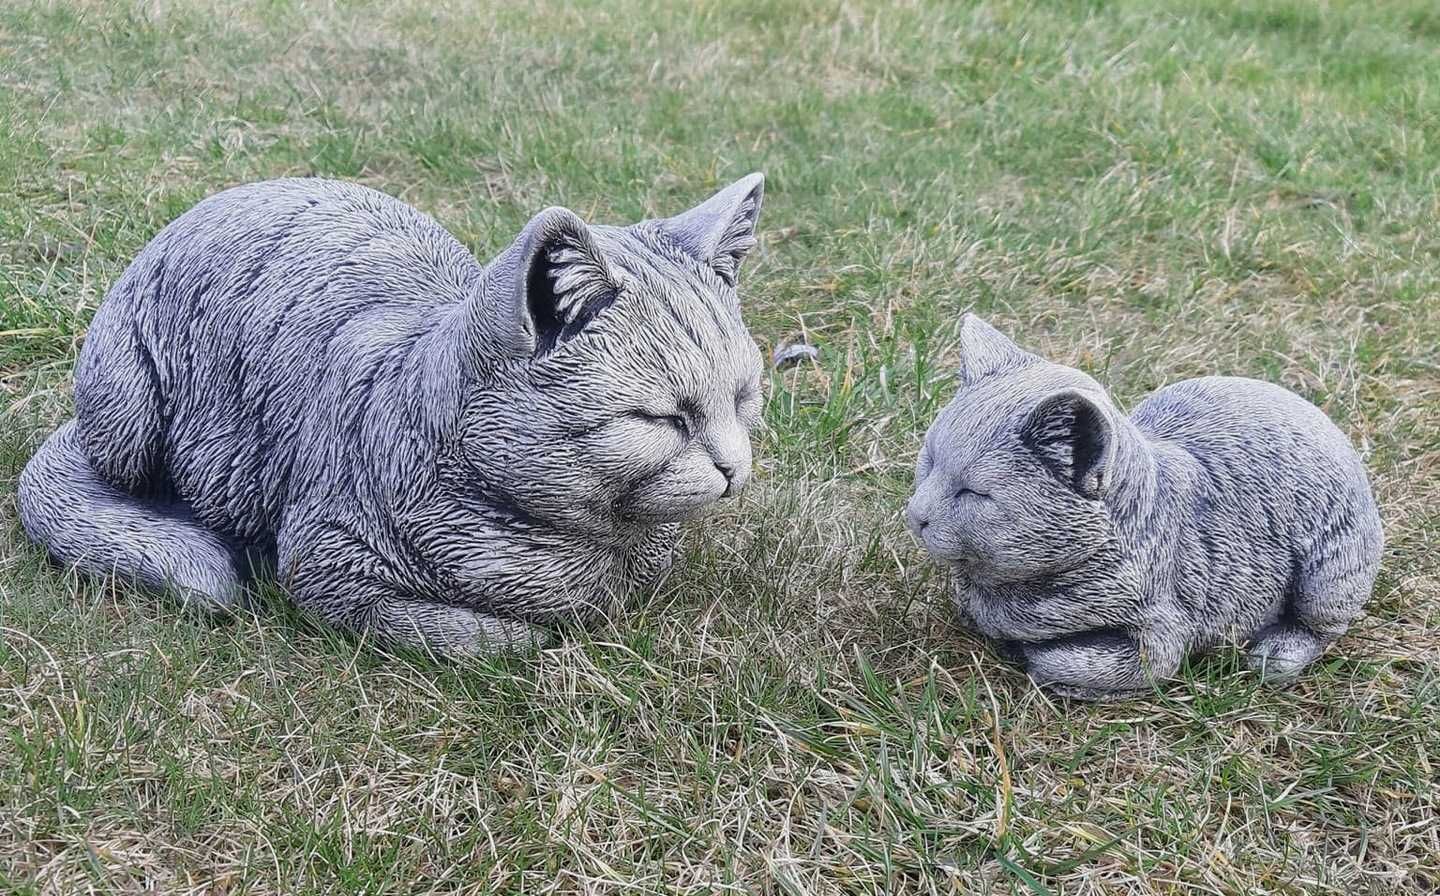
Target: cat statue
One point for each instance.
(1100, 549)
(309, 379)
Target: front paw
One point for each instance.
(1103, 664)
(1016, 652)
(652, 562)
(1092, 695)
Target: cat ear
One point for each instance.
(1074, 438)
(550, 283)
(984, 350)
(721, 230)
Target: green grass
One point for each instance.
(1149, 190)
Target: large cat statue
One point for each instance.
(1099, 549)
(311, 380)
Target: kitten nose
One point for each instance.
(917, 520)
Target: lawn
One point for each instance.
(1147, 190)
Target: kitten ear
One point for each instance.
(984, 350)
(721, 230)
(1074, 438)
(550, 283)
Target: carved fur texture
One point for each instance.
(312, 379)
(1101, 549)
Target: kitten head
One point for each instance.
(629, 384)
(1011, 479)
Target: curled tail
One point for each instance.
(86, 522)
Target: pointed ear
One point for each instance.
(548, 285)
(721, 230)
(1074, 438)
(985, 350)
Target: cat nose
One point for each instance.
(733, 480)
(730, 453)
(917, 520)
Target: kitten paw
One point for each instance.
(1279, 652)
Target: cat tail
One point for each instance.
(85, 522)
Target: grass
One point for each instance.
(1150, 190)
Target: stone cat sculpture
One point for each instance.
(1100, 549)
(312, 378)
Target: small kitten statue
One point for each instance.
(311, 378)
(1100, 549)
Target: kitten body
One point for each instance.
(311, 377)
(1101, 549)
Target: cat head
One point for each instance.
(1011, 481)
(627, 384)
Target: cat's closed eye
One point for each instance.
(971, 493)
(672, 421)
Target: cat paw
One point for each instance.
(455, 633)
(491, 636)
(1094, 695)
(216, 599)
(1281, 651)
